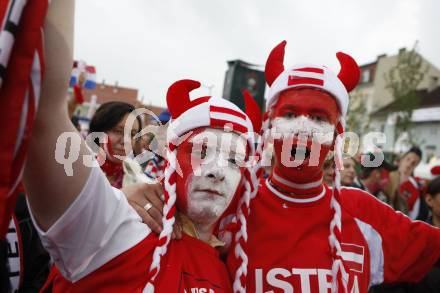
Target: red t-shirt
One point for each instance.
(289, 251)
(190, 265)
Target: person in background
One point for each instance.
(348, 174)
(404, 191)
(111, 118)
(155, 166)
(374, 179)
(431, 282)
(27, 262)
(329, 170)
(432, 199)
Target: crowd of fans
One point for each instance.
(393, 184)
(396, 186)
(98, 238)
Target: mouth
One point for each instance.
(209, 191)
(300, 151)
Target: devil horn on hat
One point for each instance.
(275, 63)
(253, 111)
(178, 96)
(350, 73)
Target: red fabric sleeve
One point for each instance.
(410, 248)
(21, 74)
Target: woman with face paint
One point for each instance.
(95, 238)
(304, 236)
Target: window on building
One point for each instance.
(365, 76)
(430, 151)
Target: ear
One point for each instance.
(429, 200)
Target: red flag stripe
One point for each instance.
(311, 69)
(354, 266)
(348, 247)
(297, 80)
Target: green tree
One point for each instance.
(357, 118)
(402, 81)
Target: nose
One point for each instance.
(216, 175)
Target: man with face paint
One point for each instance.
(304, 236)
(95, 238)
(99, 243)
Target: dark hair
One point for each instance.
(366, 171)
(75, 121)
(416, 150)
(109, 114)
(434, 187)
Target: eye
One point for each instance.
(198, 152)
(289, 115)
(203, 152)
(318, 118)
(233, 161)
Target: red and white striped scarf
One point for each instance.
(21, 75)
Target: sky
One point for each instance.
(149, 44)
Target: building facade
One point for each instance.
(376, 113)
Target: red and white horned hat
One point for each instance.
(187, 115)
(280, 79)
(309, 75)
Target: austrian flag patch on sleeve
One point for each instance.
(353, 256)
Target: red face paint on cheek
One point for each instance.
(316, 105)
(187, 163)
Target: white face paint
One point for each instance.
(215, 179)
(319, 131)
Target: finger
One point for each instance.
(158, 190)
(143, 194)
(156, 215)
(147, 219)
(152, 196)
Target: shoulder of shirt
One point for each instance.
(356, 199)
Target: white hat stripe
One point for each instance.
(307, 74)
(229, 117)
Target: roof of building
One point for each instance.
(428, 99)
(107, 93)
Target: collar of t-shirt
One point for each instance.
(189, 228)
(296, 199)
